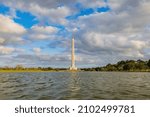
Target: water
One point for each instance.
(75, 85)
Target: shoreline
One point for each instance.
(21, 71)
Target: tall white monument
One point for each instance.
(73, 67)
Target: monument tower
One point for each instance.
(73, 56)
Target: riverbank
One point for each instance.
(25, 71)
(121, 66)
(15, 71)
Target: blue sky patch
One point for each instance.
(105, 0)
(26, 19)
(83, 12)
(61, 27)
(103, 9)
(3, 9)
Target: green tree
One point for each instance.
(19, 67)
(129, 66)
(110, 67)
(120, 65)
(148, 63)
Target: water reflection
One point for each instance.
(74, 85)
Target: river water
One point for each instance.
(75, 85)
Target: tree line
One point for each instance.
(21, 67)
(124, 65)
(128, 65)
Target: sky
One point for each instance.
(38, 33)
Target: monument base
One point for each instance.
(73, 68)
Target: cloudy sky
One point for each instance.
(38, 32)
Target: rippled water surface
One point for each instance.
(75, 85)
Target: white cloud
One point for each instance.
(42, 32)
(10, 32)
(112, 42)
(44, 60)
(38, 36)
(137, 44)
(8, 26)
(37, 50)
(92, 3)
(55, 15)
(118, 34)
(52, 11)
(2, 40)
(42, 29)
(6, 50)
(45, 11)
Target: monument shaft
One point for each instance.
(73, 57)
(72, 54)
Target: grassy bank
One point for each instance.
(27, 71)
